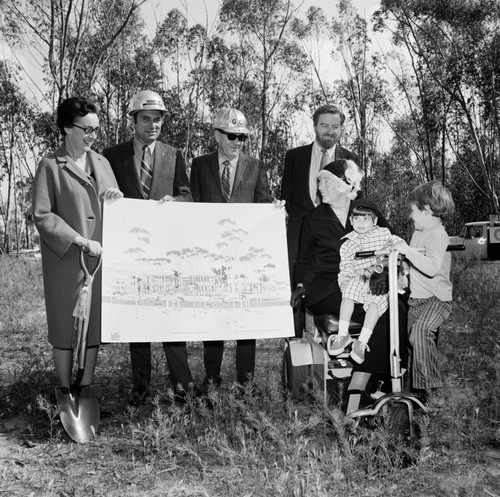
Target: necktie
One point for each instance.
(322, 164)
(226, 180)
(323, 159)
(146, 171)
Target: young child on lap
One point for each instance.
(354, 281)
(430, 286)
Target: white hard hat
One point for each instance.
(146, 100)
(231, 120)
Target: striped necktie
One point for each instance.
(146, 171)
(226, 180)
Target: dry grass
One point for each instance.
(269, 446)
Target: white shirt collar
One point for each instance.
(138, 146)
(233, 162)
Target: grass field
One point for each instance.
(264, 446)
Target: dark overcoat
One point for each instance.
(66, 204)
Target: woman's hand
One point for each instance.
(279, 204)
(111, 194)
(297, 295)
(93, 248)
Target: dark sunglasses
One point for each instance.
(88, 130)
(231, 136)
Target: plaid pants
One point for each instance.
(425, 316)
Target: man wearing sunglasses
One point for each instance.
(228, 175)
(148, 169)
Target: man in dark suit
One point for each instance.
(147, 169)
(228, 175)
(299, 182)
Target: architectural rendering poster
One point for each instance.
(192, 271)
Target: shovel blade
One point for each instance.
(79, 412)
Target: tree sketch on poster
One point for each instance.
(188, 271)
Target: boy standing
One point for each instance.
(430, 286)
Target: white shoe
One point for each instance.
(337, 343)
(358, 350)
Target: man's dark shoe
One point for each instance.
(137, 396)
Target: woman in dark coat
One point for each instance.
(67, 192)
(318, 266)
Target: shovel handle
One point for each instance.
(85, 270)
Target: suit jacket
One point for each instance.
(66, 203)
(295, 191)
(250, 181)
(169, 172)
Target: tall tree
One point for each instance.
(263, 28)
(314, 37)
(20, 147)
(64, 32)
(364, 88)
(458, 44)
(424, 107)
(182, 52)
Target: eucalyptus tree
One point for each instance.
(364, 88)
(131, 67)
(71, 38)
(271, 60)
(424, 107)
(20, 148)
(358, 84)
(458, 45)
(182, 53)
(314, 36)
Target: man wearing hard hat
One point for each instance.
(229, 175)
(150, 170)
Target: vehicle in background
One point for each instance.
(481, 240)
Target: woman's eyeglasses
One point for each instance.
(88, 130)
(232, 136)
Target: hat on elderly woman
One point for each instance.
(349, 172)
(336, 167)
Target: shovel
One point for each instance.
(79, 410)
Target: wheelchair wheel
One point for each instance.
(405, 436)
(399, 424)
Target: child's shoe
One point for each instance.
(337, 343)
(358, 350)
